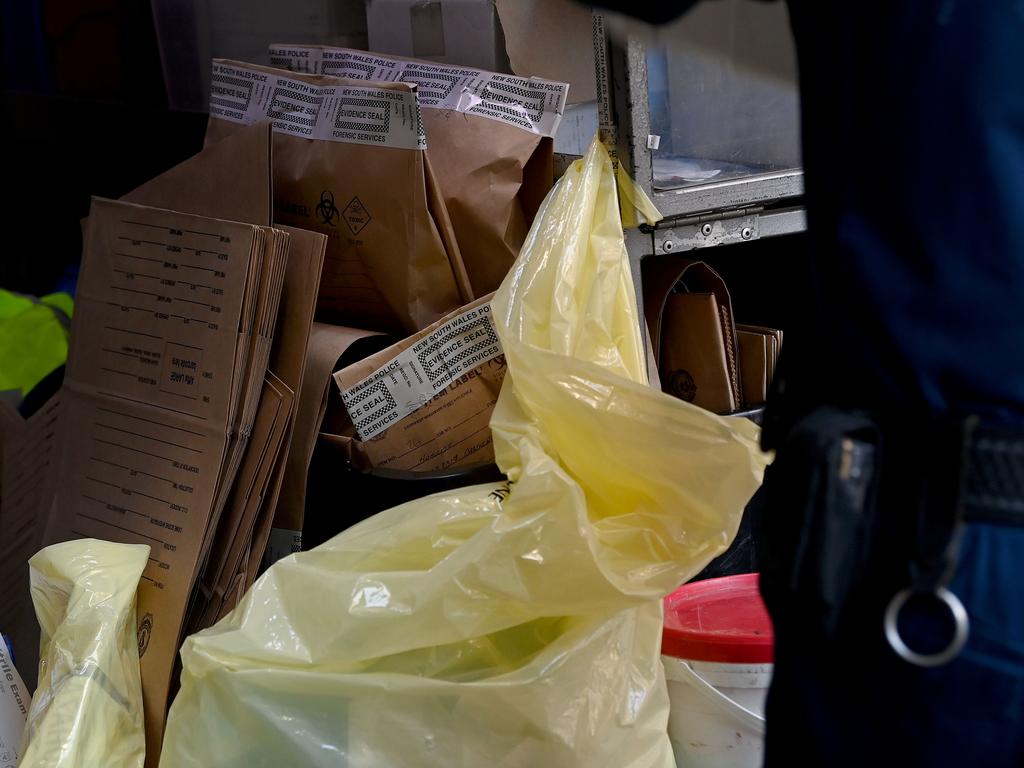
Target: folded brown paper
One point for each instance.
(149, 400)
(327, 344)
(759, 353)
(349, 163)
(248, 517)
(773, 344)
(489, 140)
(425, 403)
(230, 180)
(754, 357)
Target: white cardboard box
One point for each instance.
(577, 129)
(465, 32)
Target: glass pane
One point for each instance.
(723, 94)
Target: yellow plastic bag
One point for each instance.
(514, 626)
(87, 710)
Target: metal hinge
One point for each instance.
(701, 218)
(706, 230)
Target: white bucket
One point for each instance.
(717, 712)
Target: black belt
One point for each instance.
(993, 487)
(931, 475)
(986, 479)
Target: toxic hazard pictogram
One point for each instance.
(356, 216)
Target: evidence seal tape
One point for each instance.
(345, 113)
(420, 373)
(533, 104)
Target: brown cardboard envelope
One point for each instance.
(425, 403)
(694, 366)
(489, 140)
(754, 356)
(349, 162)
(147, 404)
(689, 312)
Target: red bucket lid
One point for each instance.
(723, 620)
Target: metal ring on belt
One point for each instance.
(904, 651)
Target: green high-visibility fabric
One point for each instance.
(33, 338)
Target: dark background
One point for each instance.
(83, 111)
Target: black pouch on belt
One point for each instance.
(819, 513)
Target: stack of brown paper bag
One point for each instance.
(198, 384)
(489, 140)
(187, 351)
(347, 126)
(759, 349)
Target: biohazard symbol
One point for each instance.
(326, 209)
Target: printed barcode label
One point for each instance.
(532, 104)
(359, 115)
(421, 372)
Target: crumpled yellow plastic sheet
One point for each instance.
(510, 626)
(87, 710)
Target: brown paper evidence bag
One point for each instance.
(425, 403)
(180, 406)
(422, 404)
(489, 141)
(703, 355)
(349, 162)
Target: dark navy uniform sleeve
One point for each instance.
(913, 137)
(913, 134)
